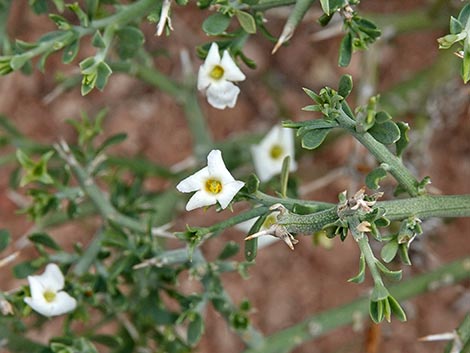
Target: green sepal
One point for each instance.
(230, 249)
(345, 50)
(359, 278)
(345, 86)
(314, 138)
(216, 24)
(246, 20)
(394, 275)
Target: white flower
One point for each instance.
(269, 154)
(212, 184)
(47, 297)
(216, 77)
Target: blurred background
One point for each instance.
(417, 83)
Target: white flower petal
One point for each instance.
(217, 168)
(40, 306)
(194, 182)
(52, 278)
(265, 165)
(222, 94)
(229, 191)
(200, 199)
(232, 71)
(63, 304)
(213, 56)
(203, 78)
(36, 287)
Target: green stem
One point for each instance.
(126, 14)
(382, 154)
(319, 324)
(421, 207)
(269, 200)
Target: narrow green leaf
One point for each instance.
(394, 275)
(246, 20)
(5, 239)
(465, 62)
(345, 50)
(325, 5)
(251, 246)
(44, 239)
(111, 141)
(376, 311)
(285, 175)
(396, 308)
(314, 138)
(195, 329)
(403, 141)
(216, 24)
(97, 40)
(464, 14)
(107, 340)
(70, 52)
(403, 252)
(312, 94)
(230, 249)
(359, 278)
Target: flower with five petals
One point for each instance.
(212, 184)
(47, 296)
(216, 77)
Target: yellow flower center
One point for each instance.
(276, 152)
(217, 72)
(49, 296)
(213, 186)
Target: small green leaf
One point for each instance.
(389, 250)
(107, 340)
(394, 275)
(382, 117)
(97, 40)
(251, 246)
(230, 249)
(216, 24)
(111, 141)
(376, 311)
(195, 329)
(455, 25)
(359, 278)
(403, 252)
(314, 138)
(252, 184)
(246, 20)
(312, 95)
(464, 14)
(386, 133)
(5, 239)
(403, 141)
(70, 52)
(24, 269)
(325, 5)
(103, 73)
(397, 310)
(345, 50)
(81, 15)
(466, 60)
(44, 239)
(129, 40)
(345, 86)
(374, 177)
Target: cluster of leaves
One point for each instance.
(459, 34)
